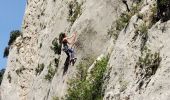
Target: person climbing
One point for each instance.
(68, 43)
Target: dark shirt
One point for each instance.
(65, 45)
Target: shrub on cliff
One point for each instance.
(87, 87)
(39, 69)
(6, 52)
(2, 71)
(13, 36)
(51, 72)
(74, 11)
(56, 46)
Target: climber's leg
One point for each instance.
(67, 62)
(71, 51)
(72, 56)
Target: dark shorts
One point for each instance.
(69, 51)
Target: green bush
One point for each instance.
(51, 73)
(56, 62)
(81, 88)
(149, 63)
(143, 29)
(13, 36)
(136, 8)
(97, 77)
(6, 52)
(123, 20)
(126, 16)
(40, 45)
(56, 98)
(112, 33)
(153, 16)
(2, 71)
(163, 2)
(75, 11)
(19, 71)
(9, 78)
(39, 69)
(56, 46)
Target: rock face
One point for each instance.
(139, 58)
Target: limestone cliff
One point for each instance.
(126, 32)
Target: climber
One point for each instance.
(68, 43)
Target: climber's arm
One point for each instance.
(73, 37)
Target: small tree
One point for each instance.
(39, 69)
(56, 46)
(51, 72)
(13, 36)
(2, 71)
(6, 52)
(75, 11)
(88, 87)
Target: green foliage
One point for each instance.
(56, 62)
(97, 76)
(56, 98)
(153, 16)
(123, 20)
(13, 36)
(136, 8)
(147, 65)
(9, 78)
(126, 16)
(74, 11)
(40, 45)
(6, 52)
(154, 9)
(19, 71)
(39, 69)
(56, 46)
(143, 29)
(112, 33)
(163, 2)
(83, 88)
(149, 62)
(140, 16)
(2, 71)
(51, 73)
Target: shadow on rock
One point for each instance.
(66, 65)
